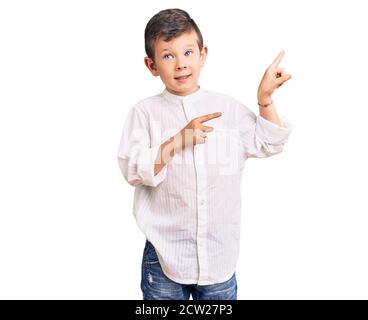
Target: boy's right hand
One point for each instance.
(195, 132)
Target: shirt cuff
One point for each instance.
(270, 132)
(146, 166)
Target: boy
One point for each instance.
(184, 151)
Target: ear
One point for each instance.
(203, 55)
(150, 64)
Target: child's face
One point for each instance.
(176, 58)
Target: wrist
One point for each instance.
(178, 141)
(264, 100)
(265, 105)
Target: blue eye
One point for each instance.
(166, 55)
(169, 54)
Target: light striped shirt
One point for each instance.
(191, 210)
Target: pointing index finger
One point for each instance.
(276, 62)
(209, 116)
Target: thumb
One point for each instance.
(283, 79)
(207, 129)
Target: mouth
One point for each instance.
(182, 78)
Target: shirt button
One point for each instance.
(202, 202)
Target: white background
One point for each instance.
(69, 73)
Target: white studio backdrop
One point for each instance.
(69, 73)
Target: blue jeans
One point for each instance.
(156, 286)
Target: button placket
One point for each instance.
(202, 211)
(202, 222)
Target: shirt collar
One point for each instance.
(188, 98)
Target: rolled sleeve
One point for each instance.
(260, 137)
(136, 157)
(269, 137)
(145, 168)
(270, 132)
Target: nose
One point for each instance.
(180, 64)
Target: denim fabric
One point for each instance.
(156, 286)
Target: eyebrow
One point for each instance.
(186, 46)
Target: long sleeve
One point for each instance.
(260, 137)
(136, 156)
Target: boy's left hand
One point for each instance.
(273, 78)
